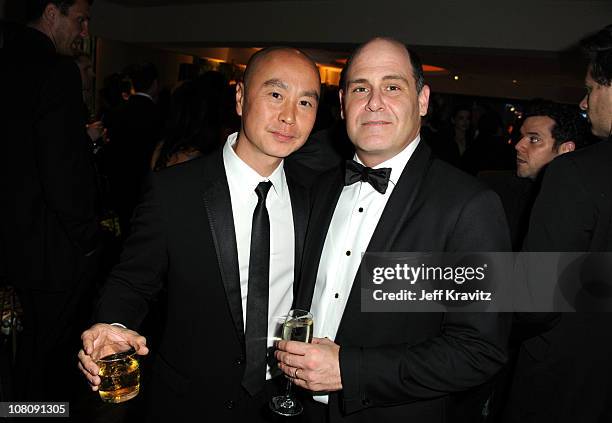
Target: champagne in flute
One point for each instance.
(298, 330)
(297, 327)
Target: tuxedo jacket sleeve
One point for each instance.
(140, 273)
(183, 232)
(469, 349)
(388, 361)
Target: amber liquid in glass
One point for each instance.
(120, 377)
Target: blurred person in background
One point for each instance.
(48, 223)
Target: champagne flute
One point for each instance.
(297, 327)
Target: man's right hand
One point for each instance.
(101, 334)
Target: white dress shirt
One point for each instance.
(355, 218)
(242, 181)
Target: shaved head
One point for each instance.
(277, 103)
(257, 58)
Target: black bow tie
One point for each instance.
(378, 178)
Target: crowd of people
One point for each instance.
(236, 203)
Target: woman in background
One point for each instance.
(195, 122)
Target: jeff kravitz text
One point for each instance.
(457, 275)
(437, 295)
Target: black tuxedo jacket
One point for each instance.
(48, 219)
(563, 375)
(419, 367)
(580, 183)
(183, 232)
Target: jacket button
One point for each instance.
(239, 361)
(230, 404)
(365, 401)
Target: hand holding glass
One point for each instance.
(119, 371)
(297, 327)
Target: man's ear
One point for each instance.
(341, 96)
(239, 97)
(566, 147)
(423, 100)
(50, 13)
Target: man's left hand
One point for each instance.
(313, 366)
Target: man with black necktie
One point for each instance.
(226, 230)
(368, 367)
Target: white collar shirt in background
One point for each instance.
(144, 95)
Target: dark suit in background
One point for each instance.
(134, 130)
(184, 231)
(48, 218)
(517, 196)
(324, 150)
(421, 367)
(564, 374)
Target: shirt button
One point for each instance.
(229, 404)
(336, 295)
(348, 253)
(360, 209)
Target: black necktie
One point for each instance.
(257, 297)
(378, 178)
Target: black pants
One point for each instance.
(314, 411)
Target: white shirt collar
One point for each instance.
(144, 95)
(398, 162)
(237, 168)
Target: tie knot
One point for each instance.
(262, 190)
(378, 178)
(365, 173)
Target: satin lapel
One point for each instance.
(324, 196)
(300, 211)
(399, 205)
(217, 202)
(395, 215)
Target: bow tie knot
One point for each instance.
(378, 178)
